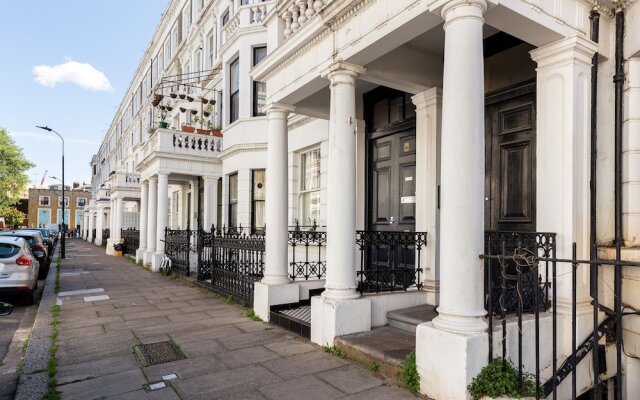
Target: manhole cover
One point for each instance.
(160, 352)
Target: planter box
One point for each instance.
(203, 131)
(187, 128)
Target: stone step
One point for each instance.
(408, 319)
(386, 346)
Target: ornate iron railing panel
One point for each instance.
(177, 246)
(106, 234)
(231, 260)
(389, 261)
(307, 252)
(131, 238)
(504, 277)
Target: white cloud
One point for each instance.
(51, 137)
(82, 74)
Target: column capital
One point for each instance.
(571, 49)
(153, 179)
(463, 9)
(427, 98)
(163, 175)
(144, 183)
(209, 179)
(278, 110)
(343, 72)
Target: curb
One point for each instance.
(34, 381)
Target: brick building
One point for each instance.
(45, 206)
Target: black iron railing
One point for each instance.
(539, 259)
(106, 234)
(232, 260)
(177, 246)
(389, 261)
(131, 238)
(308, 252)
(93, 234)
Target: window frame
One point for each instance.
(254, 201)
(66, 201)
(303, 191)
(234, 111)
(256, 107)
(211, 45)
(232, 214)
(78, 201)
(42, 197)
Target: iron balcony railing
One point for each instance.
(307, 252)
(389, 261)
(106, 234)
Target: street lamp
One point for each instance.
(64, 229)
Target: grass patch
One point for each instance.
(373, 366)
(52, 365)
(409, 373)
(251, 314)
(501, 379)
(333, 351)
(230, 300)
(25, 345)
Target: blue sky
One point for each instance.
(83, 54)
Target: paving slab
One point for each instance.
(249, 355)
(350, 379)
(312, 387)
(304, 364)
(185, 369)
(104, 386)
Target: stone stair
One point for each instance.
(387, 346)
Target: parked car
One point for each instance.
(38, 248)
(5, 309)
(18, 268)
(46, 236)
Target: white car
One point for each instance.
(18, 268)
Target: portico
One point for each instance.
(345, 59)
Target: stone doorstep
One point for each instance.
(408, 319)
(386, 345)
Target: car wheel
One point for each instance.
(42, 272)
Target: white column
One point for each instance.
(163, 211)
(452, 349)
(99, 223)
(119, 219)
(462, 192)
(562, 157)
(276, 202)
(340, 310)
(91, 226)
(428, 138)
(152, 222)
(209, 199)
(341, 197)
(194, 205)
(144, 199)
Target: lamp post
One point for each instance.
(64, 229)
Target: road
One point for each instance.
(14, 330)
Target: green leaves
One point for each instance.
(497, 380)
(409, 373)
(13, 167)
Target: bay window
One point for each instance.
(234, 90)
(233, 200)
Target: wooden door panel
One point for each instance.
(515, 183)
(381, 195)
(407, 212)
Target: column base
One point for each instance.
(461, 324)
(333, 318)
(148, 256)
(156, 259)
(110, 242)
(140, 255)
(448, 361)
(265, 296)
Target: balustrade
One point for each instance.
(299, 13)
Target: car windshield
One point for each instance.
(32, 240)
(8, 250)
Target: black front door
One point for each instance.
(510, 183)
(392, 194)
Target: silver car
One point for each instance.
(18, 268)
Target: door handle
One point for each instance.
(391, 221)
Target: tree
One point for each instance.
(13, 168)
(11, 216)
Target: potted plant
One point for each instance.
(187, 128)
(194, 112)
(204, 101)
(173, 95)
(182, 96)
(163, 117)
(190, 99)
(216, 130)
(182, 109)
(207, 111)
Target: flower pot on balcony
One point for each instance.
(206, 113)
(194, 112)
(187, 128)
(173, 95)
(163, 125)
(182, 109)
(189, 99)
(182, 96)
(203, 131)
(216, 133)
(157, 98)
(169, 108)
(204, 101)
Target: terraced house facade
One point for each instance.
(464, 172)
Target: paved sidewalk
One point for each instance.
(228, 355)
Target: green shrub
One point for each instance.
(409, 373)
(334, 351)
(501, 379)
(373, 366)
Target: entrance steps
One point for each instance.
(387, 346)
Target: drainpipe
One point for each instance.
(595, 31)
(618, 81)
